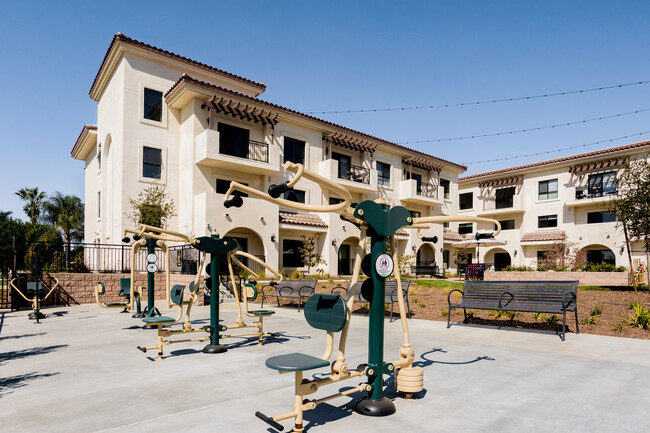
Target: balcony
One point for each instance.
(585, 196)
(254, 157)
(492, 206)
(354, 178)
(423, 194)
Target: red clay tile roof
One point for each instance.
(304, 219)
(554, 235)
(126, 39)
(211, 87)
(401, 232)
(564, 159)
(452, 236)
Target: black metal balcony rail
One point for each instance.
(427, 190)
(253, 150)
(583, 192)
(356, 173)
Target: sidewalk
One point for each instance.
(80, 371)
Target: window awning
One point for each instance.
(500, 182)
(608, 163)
(422, 163)
(242, 111)
(348, 142)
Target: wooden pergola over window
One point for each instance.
(608, 163)
(239, 110)
(422, 163)
(504, 181)
(348, 142)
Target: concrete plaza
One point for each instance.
(79, 371)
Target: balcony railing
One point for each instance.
(583, 192)
(256, 150)
(427, 190)
(356, 174)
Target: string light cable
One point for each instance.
(517, 131)
(489, 101)
(506, 158)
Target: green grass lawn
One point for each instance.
(439, 284)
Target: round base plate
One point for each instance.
(137, 315)
(32, 316)
(381, 407)
(219, 348)
(149, 326)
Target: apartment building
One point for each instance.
(558, 200)
(193, 128)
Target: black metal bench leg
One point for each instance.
(448, 318)
(299, 302)
(408, 309)
(465, 315)
(391, 311)
(576, 313)
(262, 305)
(563, 335)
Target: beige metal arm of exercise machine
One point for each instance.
(33, 300)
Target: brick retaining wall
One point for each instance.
(584, 278)
(80, 288)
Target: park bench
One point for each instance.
(390, 296)
(519, 296)
(293, 289)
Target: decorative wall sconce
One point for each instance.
(414, 248)
(334, 243)
(515, 253)
(273, 238)
(228, 215)
(262, 220)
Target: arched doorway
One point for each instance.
(501, 259)
(425, 255)
(346, 255)
(597, 254)
(250, 242)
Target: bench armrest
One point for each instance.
(501, 298)
(308, 291)
(285, 291)
(393, 294)
(271, 287)
(449, 295)
(572, 298)
(341, 291)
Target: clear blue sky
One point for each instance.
(339, 55)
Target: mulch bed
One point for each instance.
(430, 303)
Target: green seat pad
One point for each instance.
(116, 304)
(262, 312)
(295, 362)
(159, 319)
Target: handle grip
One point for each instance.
(235, 201)
(276, 191)
(269, 421)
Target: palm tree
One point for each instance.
(34, 202)
(66, 212)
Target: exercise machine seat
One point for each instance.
(262, 312)
(295, 362)
(322, 311)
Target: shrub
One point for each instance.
(552, 320)
(598, 309)
(538, 316)
(470, 314)
(640, 316)
(589, 321)
(511, 268)
(601, 267)
(620, 327)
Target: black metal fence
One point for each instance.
(111, 258)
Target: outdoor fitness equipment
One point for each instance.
(331, 313)
(35, 292)
(215, 247)
(151, 237)
(125, 291)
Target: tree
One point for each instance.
(34, 202)
(10, 229)
(66, 212)
(153, 206)
(562, 256)
(310, 256)
(632, 202)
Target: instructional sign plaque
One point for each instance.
(384, 265)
